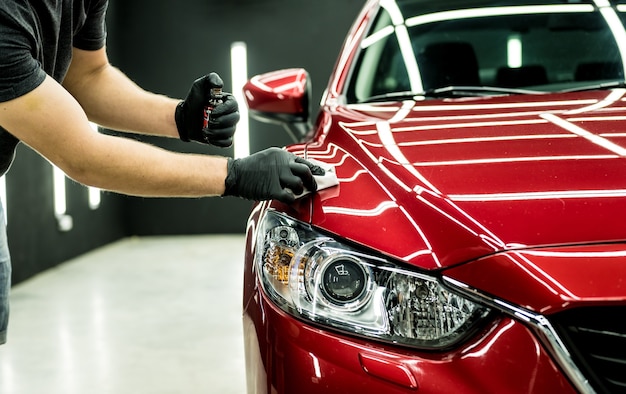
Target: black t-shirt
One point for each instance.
(36, 38)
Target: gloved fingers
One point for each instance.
(223, 143)
(302, 169)
(229, 105)
(222, 138)
(223, 121)
(214, 80)
(315, 169)
(292, 182)
(202, 88)
(189, 113)
(285, 196)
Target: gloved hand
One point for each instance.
(270, 174)
(190, 114)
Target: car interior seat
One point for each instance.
(516, 77)
(451, 63)
(599, 70)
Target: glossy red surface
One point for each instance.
(504, 358)
(551, 279)
(288, 85)
(444, 182)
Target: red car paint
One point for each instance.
(519, 197)
(479, 178)
(283, 355)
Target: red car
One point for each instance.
(476, 241)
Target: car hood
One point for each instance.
(441, 182)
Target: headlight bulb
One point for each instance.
(343, 280)
(335, 280)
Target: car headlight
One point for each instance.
(317, 278)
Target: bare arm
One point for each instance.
(111, 99)
(52, 122)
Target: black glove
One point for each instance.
(222, 121)
(270, 174)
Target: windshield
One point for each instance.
(417, 46)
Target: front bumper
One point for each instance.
(287, 356)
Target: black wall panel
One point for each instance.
(35, 241)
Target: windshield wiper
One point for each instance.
(391, 95)
(449, 91)
(597, 86)
(478, 91)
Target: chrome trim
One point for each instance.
(540, 324)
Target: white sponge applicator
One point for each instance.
(329, 179)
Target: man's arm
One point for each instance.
(55, 123)
(52, 122)
(112, 100)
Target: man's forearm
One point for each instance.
(134, 168)
(111, 99)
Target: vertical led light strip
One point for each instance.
(239, 71)
(94, 192)
(94, 198)
(65, 222)
(3, 197)
(514, 51)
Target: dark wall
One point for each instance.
(35, 241)
(164, 45)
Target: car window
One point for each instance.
(413, 46)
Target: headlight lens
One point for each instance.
(315, 277)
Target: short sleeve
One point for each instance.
(20, 72)
(92, 35)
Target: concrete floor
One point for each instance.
(158, 315)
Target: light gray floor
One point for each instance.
(157, 315)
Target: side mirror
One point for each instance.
(282, 97)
